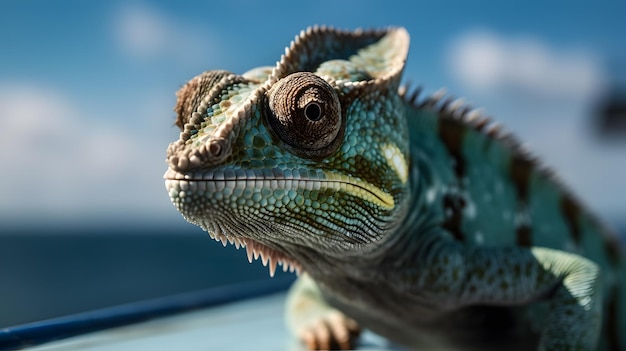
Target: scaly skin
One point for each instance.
(413, 217)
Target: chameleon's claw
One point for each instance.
(333, 331)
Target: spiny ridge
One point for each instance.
(269, 257)
(458, 109)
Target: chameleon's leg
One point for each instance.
(516, 276)
(312, 320)
(576, 305)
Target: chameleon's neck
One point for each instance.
(398, 253)
(419, 221)
(413, 211)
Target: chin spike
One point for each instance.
(249, 253)
(272, 266)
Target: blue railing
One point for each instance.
(30, 334)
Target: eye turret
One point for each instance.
(305, 112)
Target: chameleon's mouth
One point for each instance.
(185, 186)
(218, 180)
(259, 208)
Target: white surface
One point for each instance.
(255, 324)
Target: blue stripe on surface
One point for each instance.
(36, 333)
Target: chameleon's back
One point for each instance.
(489, 191)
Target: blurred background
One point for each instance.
(86, 97)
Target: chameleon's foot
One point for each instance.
(331, 331)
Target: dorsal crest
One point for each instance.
(372, 55)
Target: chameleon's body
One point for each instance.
(412, 216)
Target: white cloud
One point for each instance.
(594, 171)
(545, 96)
(487, 62)
(59, 162)
(145, 33)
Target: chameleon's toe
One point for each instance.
(333, 331)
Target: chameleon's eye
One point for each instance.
(304, 111)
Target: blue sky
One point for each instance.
(87, 88)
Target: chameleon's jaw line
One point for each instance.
(217, 180)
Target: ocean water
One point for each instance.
(46, 273)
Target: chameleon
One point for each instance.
(410, 215)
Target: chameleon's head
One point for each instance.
(306, 159)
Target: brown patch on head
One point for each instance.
(191, 94)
